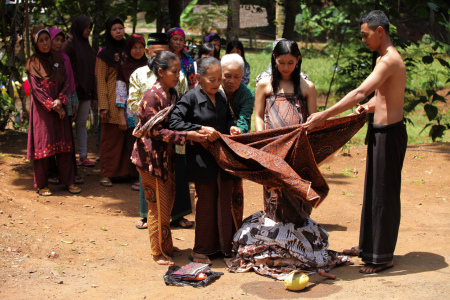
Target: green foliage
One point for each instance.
(6, 104)
(427, 97)
(329, 22)
(206, 20)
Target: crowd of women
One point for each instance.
(157, 107)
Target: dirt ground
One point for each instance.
(99, 252)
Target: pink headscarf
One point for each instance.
(53, 33)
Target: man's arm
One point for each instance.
(381, 72)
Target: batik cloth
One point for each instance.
(286, 157)
(275, 249)
(160, 196)
(380, 219)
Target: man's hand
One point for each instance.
(234, 130)
(314, 120)
(362, 108)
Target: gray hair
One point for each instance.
(203, 64)
(233, 59)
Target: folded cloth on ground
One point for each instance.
(190, 270)
(211, 276)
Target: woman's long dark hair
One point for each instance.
(286, 47)
(238, 45)
(204, 49)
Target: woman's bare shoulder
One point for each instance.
(306, 85)
(265, 85)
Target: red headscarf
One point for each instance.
(131, 64)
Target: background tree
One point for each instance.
(233, 20)
(290, 8)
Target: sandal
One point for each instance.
(73, 189)
(183, 223)
(142, 221)
(79, 180)
(85, 163)
(44, 192)
(106, 182)
(135, 186)
(53, 180)
(199, 258)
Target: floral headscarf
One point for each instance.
(187, 63)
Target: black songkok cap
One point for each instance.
(157, 39)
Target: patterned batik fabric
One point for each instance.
(275, 249)
(286, 158)
(237, 202)
(160, 201)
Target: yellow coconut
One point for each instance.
(296, 281)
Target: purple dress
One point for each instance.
(48, 134)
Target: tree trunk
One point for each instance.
(162, 18)
(98, 25)
(279, 15)
(175, 10)
(290, 9)
(134, 18)
(233, 20)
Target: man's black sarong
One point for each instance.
(380, 218)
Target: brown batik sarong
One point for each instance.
(237, 202)
(160, 196)
(287, 158)
(213, 217)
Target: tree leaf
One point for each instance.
(423, 99)
(427, 59)
(431, 111)
(433, 6)
(437, 97)
(430, 92)
(443, 63)
(437, 131)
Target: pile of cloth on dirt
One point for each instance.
(275, 249)
(286, 162)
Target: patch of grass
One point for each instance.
(348, 173)
(417, 182)
(347, 194)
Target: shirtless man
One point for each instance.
(386, 149)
